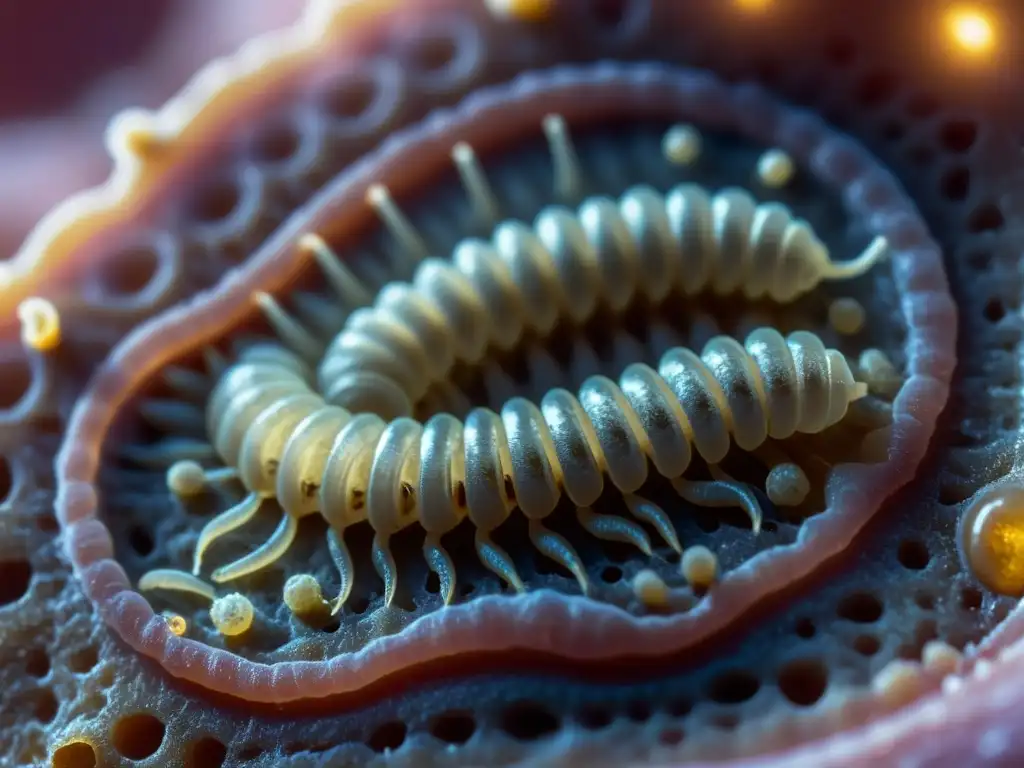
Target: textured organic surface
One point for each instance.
(844, 632)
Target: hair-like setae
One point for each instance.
(585, 630)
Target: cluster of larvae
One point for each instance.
(328, 427)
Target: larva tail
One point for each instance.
(876, 252)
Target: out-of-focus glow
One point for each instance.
(971, 30)
(754, 5)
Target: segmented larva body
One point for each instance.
(288, 443)
(527, 279)
(340, 441)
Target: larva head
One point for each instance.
(990, 537)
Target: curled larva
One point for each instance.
(341, 442)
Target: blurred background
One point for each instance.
(67, 66)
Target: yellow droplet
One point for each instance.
(681, 144)
(787, 485)
(699, 566)
(940, 657)
(992, 538)
(186, 478)
(520, 10)
(847, 316)
(971, 30)
(775, 168)
(650, 589)
(303, 595)
(232, 614)
(897, 682)
(880, 374)
(40, 324)
(177, 624)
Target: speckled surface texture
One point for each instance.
(841, 634)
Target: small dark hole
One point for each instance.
(141, 540)
(277, 142)
(680, 707)
(970, 599)
(6, 479)
(994, 310)
(46, 706)
(15, 577)
(594, 718)
(924, 601)
(861, 607)
(77, 754)
(733, 687)
(769, 526)
(876, 88)
(207, 752)
(16, 375)
(250, 753)
(985, 218)
(389, 736)
(840, 51)
(913, 554)
(958, 135)
(47, 523)
(528, 721)
(138, 736)
(611, 574)
(454, 727)
(331, 627)
(433, 585)
(638, 711)
(805, 628)
(803, 681)
(217, 202)
(129, 272)
(350, 98)
(37, 662)
(866, 645)
(359, 604)
(435, 53)
(956, 184)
